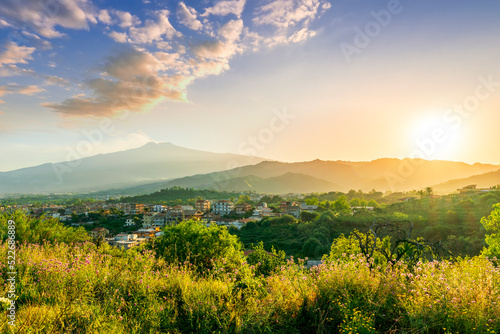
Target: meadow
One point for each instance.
(77, 287)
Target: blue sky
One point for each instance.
(212, 75)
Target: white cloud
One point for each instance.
(231, 31)
(4, 23)
(16, 89)
(104, 17)
(43, 17)
(119, 37)
(215, 49)
(286, 13)
(154, 30)
(126, 19)
(15, 54)
(138, 77)
(187, 17)
(136, 83)
(226, 7)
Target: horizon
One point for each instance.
(289, 81)
(266, 159)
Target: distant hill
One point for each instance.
(381, 174)
(147, 164)
(485, 180)
(282, 184)
(153, 167)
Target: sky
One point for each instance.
(289, 80)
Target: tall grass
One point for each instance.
(85, 289)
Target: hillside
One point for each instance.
(381, 174)
(286, 183)
(149, 163)
(485, 180)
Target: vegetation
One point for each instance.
(179, 196)
(77, 287)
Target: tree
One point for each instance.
(392, 241)
(202, 246)
(492, 224)
(306, 216)
(265, 262)
(341, 205)
(244, 199)
(35, 230)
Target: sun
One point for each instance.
(434, 137)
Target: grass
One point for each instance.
(85, 289)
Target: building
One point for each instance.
(473, 189)
(126, 240)
(308, 207)
(129, 222)
(147, 233)
(242, 208)
(136, 209)
(223, 207)
(202, 205)
(261, 205)
(407, 199)
(158, 208)
(159, 220)
(192, 214)
(147, 219)
(293, 210)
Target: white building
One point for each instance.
(223, 207)
(129, 222)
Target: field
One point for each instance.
(85, 289)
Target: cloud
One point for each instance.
(215, 49)
(154, 30)
(135, 81)
(15, 54)
(119, 37)
(55, 80)
(226, 7)
(286, 13)
(42, 17)
(291, 19)
(231, 31)
(15, 89)
(126, 19)
(159, 62)
(187, 17)
(118, 17)
(104, 17)
(4, 23)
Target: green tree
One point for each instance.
(492, 224)
(202, 246)
(265, 262)
(306, 216)
(36, 230)
(341, 205)
(244, 199)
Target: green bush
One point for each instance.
(204, 247)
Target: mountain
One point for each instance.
(381, 174)
(282, 184)
(147, 164)
(485, 180)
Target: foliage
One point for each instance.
(204, 247)
(82, 289)
(265, 263)
(492, 224)
(31, 229)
